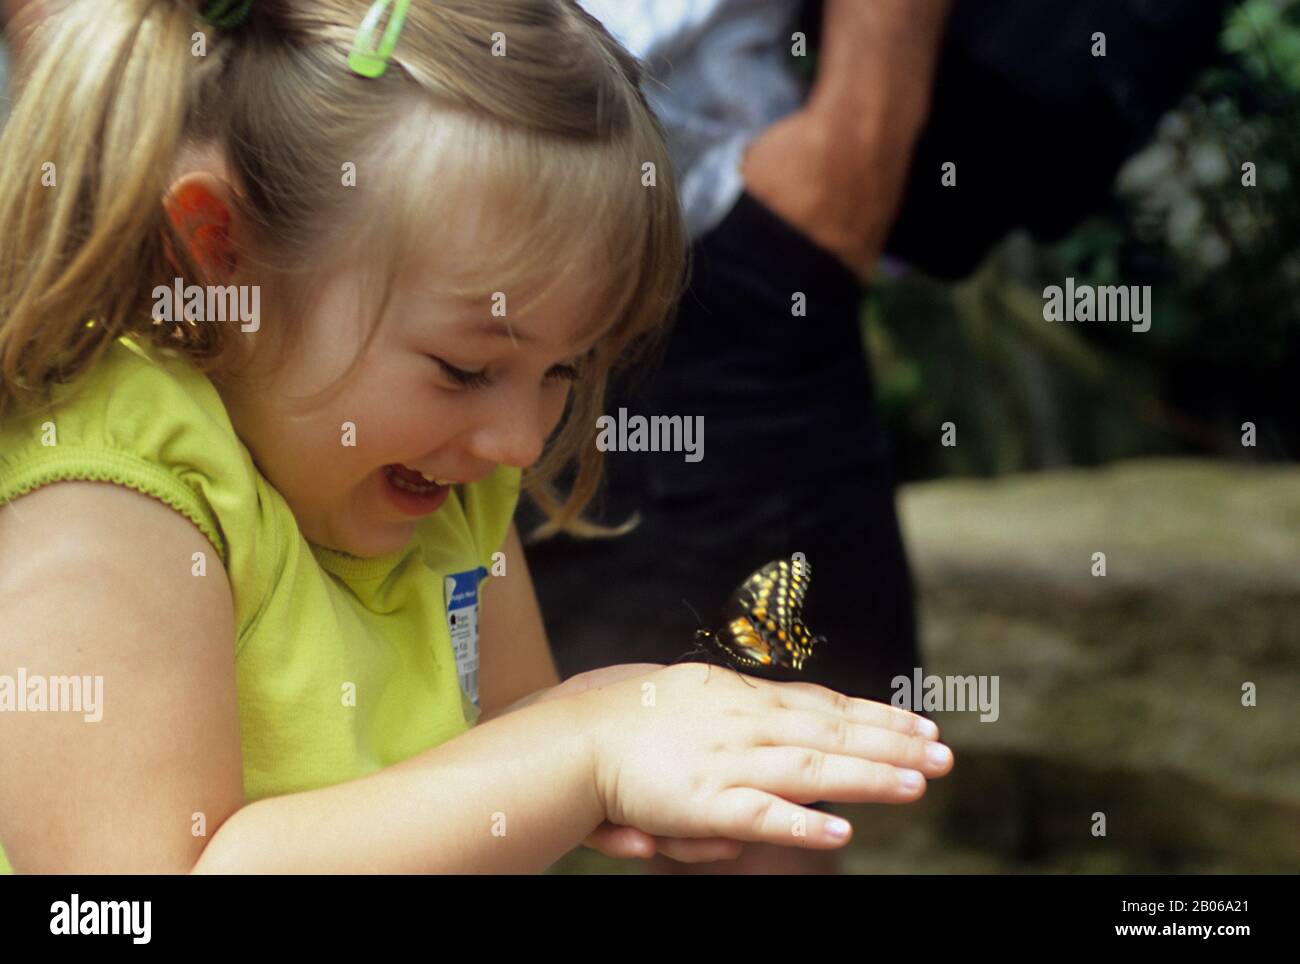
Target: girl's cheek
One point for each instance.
(555, 410)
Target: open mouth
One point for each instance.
(413, 493)
(409, 480)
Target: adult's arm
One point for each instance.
(836, 168)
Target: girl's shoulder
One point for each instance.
(141, 417)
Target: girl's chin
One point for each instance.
(383, 537)
(380, 538)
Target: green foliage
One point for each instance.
(1223, 261)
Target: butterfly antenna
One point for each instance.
(698, 620)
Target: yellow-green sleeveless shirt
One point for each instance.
(344, 665)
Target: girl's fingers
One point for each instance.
(622, 843)
(698, 851)
(743, 813)
(626, 843)
(819, 699)
(799, 773)
(833, 734)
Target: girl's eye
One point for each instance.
(567, 372)
(460, 376)
(480, 380)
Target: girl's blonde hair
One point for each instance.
(529, 105)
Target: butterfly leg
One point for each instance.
(699, 651)
(694, 652)
(743, 679)
(708, 659)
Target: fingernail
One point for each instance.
(938, 754)
(911, 778)
(927, 728)
(837, 827)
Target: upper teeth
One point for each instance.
(429, 478)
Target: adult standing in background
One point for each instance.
(790, 191)
(785, 192)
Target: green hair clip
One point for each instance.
(225, 14)
(370, 59)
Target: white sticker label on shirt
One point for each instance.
(462, 624)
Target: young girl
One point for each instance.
(243, 530)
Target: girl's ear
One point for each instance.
(199, 207)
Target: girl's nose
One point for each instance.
(514, 432)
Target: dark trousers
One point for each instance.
(794, 460)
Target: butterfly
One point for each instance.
(761, 625)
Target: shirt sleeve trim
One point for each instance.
(71, 463)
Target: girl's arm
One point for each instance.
(510, 796)
(515, 663)
(95, 582)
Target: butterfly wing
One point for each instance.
(802, 638)
(763, 619)
(742, 643)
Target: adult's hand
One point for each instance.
(836, 169)
(840, 189)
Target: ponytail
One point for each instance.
(84, 163)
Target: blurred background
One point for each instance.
(1121, 695)
(1224, 266)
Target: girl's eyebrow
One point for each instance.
(499, 329)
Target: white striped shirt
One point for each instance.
(720, 72)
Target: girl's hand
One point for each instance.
(576, 684)
(628, 842)
(729, 760)
(596, 678)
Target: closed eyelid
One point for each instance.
(468, 378)
(463, 377)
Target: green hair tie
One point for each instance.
(225, 14)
